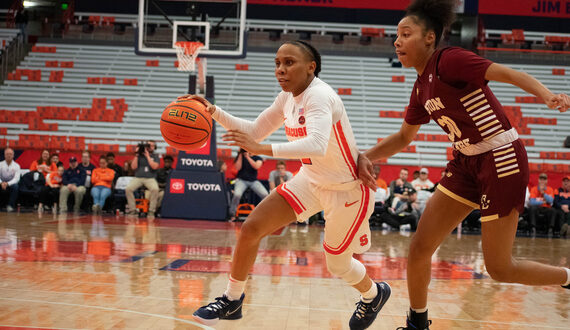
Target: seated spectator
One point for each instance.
(114, 166)
(161, 178)
(145, 163)
(127, 169)
(43, 164)
(55, 160)
(404, 215)
(279, 175)
(102, 180)
(87, 167)
(562, 205)
(541, 200)
(73, 181)
(379, 181)
(415, 175)
(50, 192)
(424, 187)
(247, 166)
(400, 188)
(9, 178)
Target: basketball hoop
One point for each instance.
(187, 53)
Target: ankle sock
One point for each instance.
(234, 289)
(369, 295)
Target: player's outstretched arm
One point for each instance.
(529, 84)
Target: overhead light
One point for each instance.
(28, 4)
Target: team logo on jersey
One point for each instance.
(301, 111)
(484, 202)
(430, 77)
(302, 120)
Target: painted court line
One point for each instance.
(111, 309)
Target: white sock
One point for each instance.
(567, 277)
(419, 310)
(369, 295)
(235, 289)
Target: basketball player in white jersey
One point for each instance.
(319, 134)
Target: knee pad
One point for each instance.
(346, 267)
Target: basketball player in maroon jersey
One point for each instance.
(490, 168)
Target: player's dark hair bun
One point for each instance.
(435, 14)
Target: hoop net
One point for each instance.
(187, 53)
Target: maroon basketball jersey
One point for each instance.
(453, 91)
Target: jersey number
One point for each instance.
(454, 131)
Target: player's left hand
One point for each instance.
(365, 170)
(239, 138)
(561, 102)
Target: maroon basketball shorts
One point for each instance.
(494, 182)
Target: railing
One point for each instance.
(11, 55)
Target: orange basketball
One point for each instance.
(186, 124)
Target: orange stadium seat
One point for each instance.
(66, 64)
(93, 80)
(152, 62)
(52, 64)
(242, 67)
(372, 32)
(345, 91)
(131, 82)
(547, 155)
(398, 78)
(558, 72)
(518, 35)
(563, 155)
(108, 80)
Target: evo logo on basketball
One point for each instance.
(177, 186)
(203, 187)
(197, 162)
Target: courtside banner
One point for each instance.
(353, 4)
(542, 8)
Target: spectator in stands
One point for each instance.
(424, 187)
(55, 160)
(404, 215)
(400, 188)
(162, 176)
(415, 175)
(279, 175)
(43, 164)
(562, 205)
(541, 200)
(145, 164)
(127, 169)
(9, 178)
(379, 181)
(114, 166)
(73, 181)
(87, 167)
(50, 192)
(21, 20)
(247, 166)
(102, 180)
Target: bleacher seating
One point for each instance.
(6, 37)
(374, 100)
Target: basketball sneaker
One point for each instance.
(366, 313)
(221, 309)
(416, 321)
(566, 286)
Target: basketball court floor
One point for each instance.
(93, 272)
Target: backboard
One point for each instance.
(218, 24)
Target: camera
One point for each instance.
(142, 146)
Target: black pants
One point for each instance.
(9, 196)
(549, 216)
(49, 195)
(396, 221)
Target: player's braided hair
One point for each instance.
(435, 14)
(312, 51)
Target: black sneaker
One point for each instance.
(366, 313)
(566, 286)
(416, 321)
(221, 309)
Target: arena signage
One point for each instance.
(354, 4)
(543, 8)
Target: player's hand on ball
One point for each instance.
(365, 170)
(239, 138)
(209, 106)
(561, 102)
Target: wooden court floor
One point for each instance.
(93, 272)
